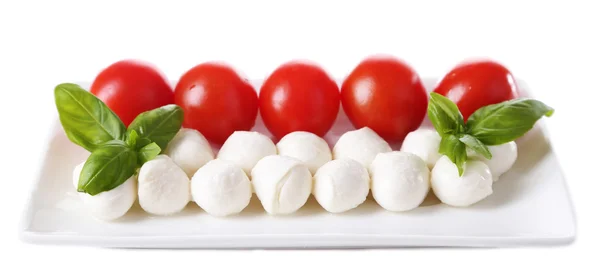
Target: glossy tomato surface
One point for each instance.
(386, 95)
(216, 101)
(299, 96)
(131, 87)
(472, 85)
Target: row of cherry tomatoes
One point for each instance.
(382, 93)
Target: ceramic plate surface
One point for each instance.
(530, 206)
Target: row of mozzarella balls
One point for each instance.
(284, 175)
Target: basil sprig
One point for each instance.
(158, 125)
(456, 150)
(107, 167)
(87, 121)
(504, 122)
(148, 152)
(476, 145)
(116, 152)
(448, 119)
(488, 126)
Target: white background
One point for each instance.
(553, 45)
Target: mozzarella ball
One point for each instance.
(399, 180)
(221, 188)
(341, 185)
(307, 147)
(245, 148)
(425, 143)
(108, 205)
(282, 184)
(474, 185)
(189, 150)
(163, 187)
(361, 145)
(503, 158)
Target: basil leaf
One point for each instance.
(504, 122)
(107, 167)
(452, 147)
(158, 125)
(132, 138)
(148, 152)
(444, 115)
(87, 121)
(476, 145)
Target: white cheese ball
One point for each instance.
(341, 185)
(307, 147)
(361, 145)
(221, 188)
(189, 150)
(503, 158)
(282, 184)
(108, 205)
(425, 143)
(474, 185)
(399, 180)
(163, 187)
(245, 148)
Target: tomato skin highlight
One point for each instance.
(299, 96)
(130, 87)
(386, 95)
(216, 101)
(475, 84)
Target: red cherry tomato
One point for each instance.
(216, 101)
(131, 87)
(299, 96)
(386, 95)
(475, 84)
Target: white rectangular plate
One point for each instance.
(530, 206)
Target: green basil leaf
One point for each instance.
(456, 150)
(476, 145)
(158, 125)
(148, 152)
(132, 138)
(444, 115)
(87, 121)
(504, 122)
(107, 167)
